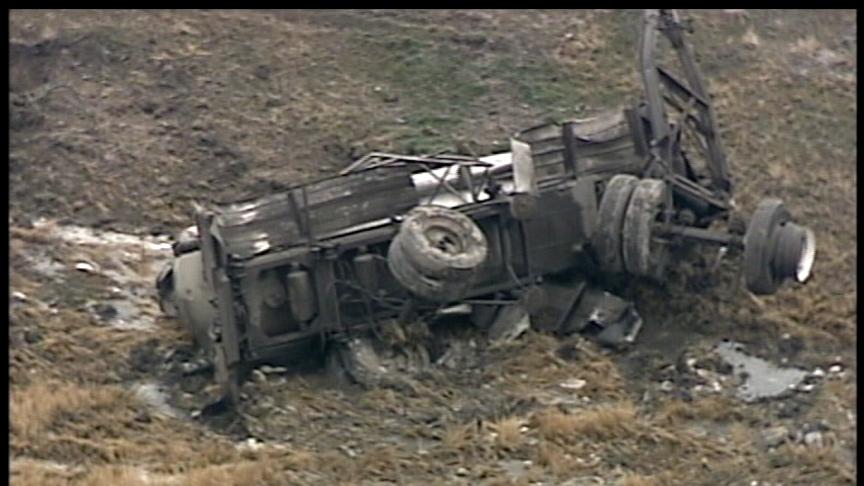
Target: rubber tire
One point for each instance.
(606, 239)
(426, 256)
(642, 257)
(427, 287)
(759, 244)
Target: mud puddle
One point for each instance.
(127, 263)
(762, 379)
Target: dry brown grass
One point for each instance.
(235, 474)
(336, 464)
(840, 393)
(115, 475)
(102, 425)
(554, 459)
(603, 377)
(714, 408)
(740, 434)
(382, 460)
(535, 353)
(537, 358)
(806, 45)
(639, 480)
(602, 422)
(19, 282)
(260, 472)
(35, 407)
(31, 472)
(457, 437)
(299, 460)
(819, 465)
(42, 235)
(509, 433)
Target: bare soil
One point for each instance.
(121, 120)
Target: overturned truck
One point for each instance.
(408, 238)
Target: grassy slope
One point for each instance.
(125, 118)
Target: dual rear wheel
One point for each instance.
(623, 241)
(775, 248)
(436, 253)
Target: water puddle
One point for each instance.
(763, 379)
(129, 262)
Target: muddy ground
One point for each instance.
(120, 120)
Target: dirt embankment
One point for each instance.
(120, 120)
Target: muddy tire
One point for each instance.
(435, 289)
(436, 253)
(643, 256)
(442, 242)
(759, 244)
(606, 239)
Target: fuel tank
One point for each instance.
(191, 296)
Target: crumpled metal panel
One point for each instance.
(310, 212)
(254, 227)
(603, 144)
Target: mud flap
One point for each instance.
(604, 317)
(550, 304)
(228, 377)
(577, 307)
(511, 322)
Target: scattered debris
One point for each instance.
(272, 370)
(86, 267)
(775, 436)
(372, 363)
(258, 376)
(573, 384)
(153, 395)
(813, 439)
(750, 39)
(458, 354)
(250, 444)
